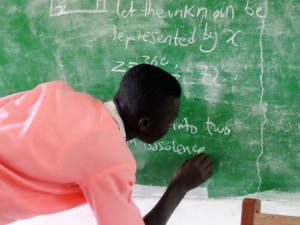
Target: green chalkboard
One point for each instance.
(237, 61)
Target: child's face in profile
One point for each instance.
(160, 126)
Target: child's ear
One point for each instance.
(144, 123)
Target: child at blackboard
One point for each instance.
(61, 148)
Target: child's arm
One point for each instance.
(188, 176)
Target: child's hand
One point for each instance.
(193, 172)
(188, 176)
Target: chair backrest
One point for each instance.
(251, 215)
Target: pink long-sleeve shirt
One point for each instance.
(60, 149)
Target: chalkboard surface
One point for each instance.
(237, 61)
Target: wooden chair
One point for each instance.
(251, 215)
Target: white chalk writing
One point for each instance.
(156, 60)
(202, 32)
(232, 38)
(174, 147)
(64, 7)
(185, 125)
(155, 37)
(185, 12)
(212, 128)
(169, 146)
(209, 74)
(260, 11)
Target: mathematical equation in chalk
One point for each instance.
(207, 75)
(123, 66)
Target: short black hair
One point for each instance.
(145, 89)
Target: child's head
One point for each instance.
(148, 102)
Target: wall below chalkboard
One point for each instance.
(237, 62)
(190, 211)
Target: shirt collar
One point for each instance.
(111, 107)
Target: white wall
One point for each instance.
(191, 211)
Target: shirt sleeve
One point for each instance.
(9, 98)
(109, 195)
